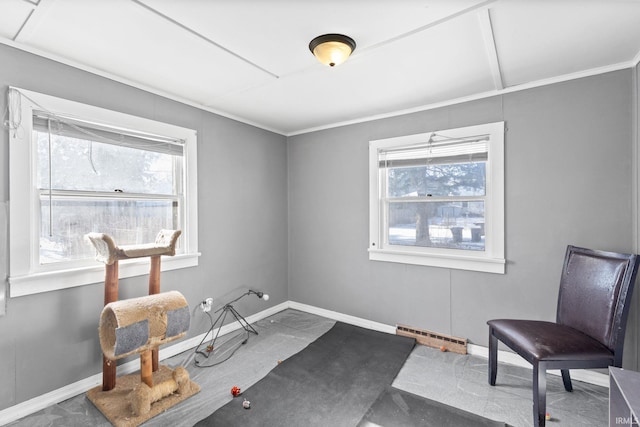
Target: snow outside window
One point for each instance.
(77, 169)
(438, 198)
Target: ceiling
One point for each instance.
(249, 59)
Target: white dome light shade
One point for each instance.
(332, 49)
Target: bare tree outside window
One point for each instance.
(437, 205)
(437, 198)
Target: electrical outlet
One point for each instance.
(206, 305)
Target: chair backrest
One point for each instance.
(595, 294)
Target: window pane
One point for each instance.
(127, 221)
(82, 165)
(453, 225)
(454, 179)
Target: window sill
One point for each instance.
(36, 283)
(481, 264)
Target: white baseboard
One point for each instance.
(193, 342)
(38, 403)
(30, 406)
(508, 357)
(352, 320)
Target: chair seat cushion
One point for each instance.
(548, 341)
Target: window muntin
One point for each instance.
(437, 198)
(170, 198)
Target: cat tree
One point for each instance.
(109, 253)
(139, 326)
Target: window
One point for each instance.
(77, 169)
(438, 198)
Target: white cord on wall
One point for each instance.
(4, 243)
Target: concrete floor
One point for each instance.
(450, 378)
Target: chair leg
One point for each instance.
(566, 379)
(539, 395)
(493, 357)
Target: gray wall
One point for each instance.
(569, 180)
(568, 159)
(50, 340)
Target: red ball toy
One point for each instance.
(235, 391)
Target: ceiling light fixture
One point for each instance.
(332, 49)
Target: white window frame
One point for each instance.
(492, 259)
(26, 275)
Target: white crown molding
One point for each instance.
(636, 59)
(475, 97)
(515, 88)
(132, 83)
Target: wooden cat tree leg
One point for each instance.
(146, 367)
(110, 295)
(154, 288)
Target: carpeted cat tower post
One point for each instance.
(139, 326)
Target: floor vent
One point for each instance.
(433, 339)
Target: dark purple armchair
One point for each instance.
(593, 306)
